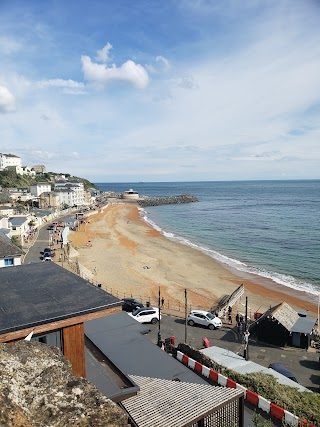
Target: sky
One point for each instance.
(174, 90)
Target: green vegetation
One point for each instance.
(305, 405)
(9, 179)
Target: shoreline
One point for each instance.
(138, 259)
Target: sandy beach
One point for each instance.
(129, 257)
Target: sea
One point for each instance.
(267, 228)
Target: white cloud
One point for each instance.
(164, 61)
(60, 83)
(103, 54)
(102, 74)
(7, 100)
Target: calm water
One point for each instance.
(269, 228)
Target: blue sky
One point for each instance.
(175, 90)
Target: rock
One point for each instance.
(38, 389)
(157, 201)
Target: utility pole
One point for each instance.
(185, 315)
(159, 331)
(246, 334)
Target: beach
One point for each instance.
(129, 257)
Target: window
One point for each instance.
(8, 262)
(51, 338)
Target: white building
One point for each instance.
(39, 188)
(71, 193)
(7, 160)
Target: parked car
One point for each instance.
(205, 318)
(47, 258)
(146, 315)
(131, 304)
(284, 370)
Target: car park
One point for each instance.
(146, 315)
(131, 304)
(284, 370)
(204, 318)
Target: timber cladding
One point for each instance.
(73, 348)
(52, 326)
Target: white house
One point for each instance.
(39, 188)
(10, 254)
(19, 227)
(6, 211)
(7, 160)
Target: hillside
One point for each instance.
(9, 179)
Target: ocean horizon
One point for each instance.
(267, 228)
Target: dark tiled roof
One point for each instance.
(18, 220)
(7, 248)
(40, 293)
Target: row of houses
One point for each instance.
(56, 195)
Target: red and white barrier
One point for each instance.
(254, 398)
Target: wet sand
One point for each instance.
(131, 258)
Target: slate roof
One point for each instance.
(8, 249)
(40, 293)
(18, 220)
(290, 319)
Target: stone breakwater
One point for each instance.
(157, 201)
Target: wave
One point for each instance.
(281, 279)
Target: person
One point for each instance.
(237, 317)
(246, 338)
(224, 315)
(241, 318)
(162, 302)
(230, 318)
(229, 309)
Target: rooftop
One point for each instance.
(7, 248)
(40, 293)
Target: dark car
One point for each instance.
(131, 304)
(284, 370)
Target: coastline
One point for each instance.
(131, 257)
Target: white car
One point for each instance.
(146, 315)
(205, 318)
(47, 258)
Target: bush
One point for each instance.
(305, 405)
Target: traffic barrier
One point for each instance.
(254, 398)
(231, 383)
(276, 411)
(198, 367)
(222, 380)
(213, 375)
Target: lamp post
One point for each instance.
(246, 334)
(185, 315)
(159, 331)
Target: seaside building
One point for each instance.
(283, 326)
(49, 200)
(39, 188)
(71, 193)
(10, 254)
(130, 195)
(52, 304)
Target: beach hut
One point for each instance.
(283, 326)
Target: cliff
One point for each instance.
(38, 389)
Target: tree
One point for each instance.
(5, 198)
